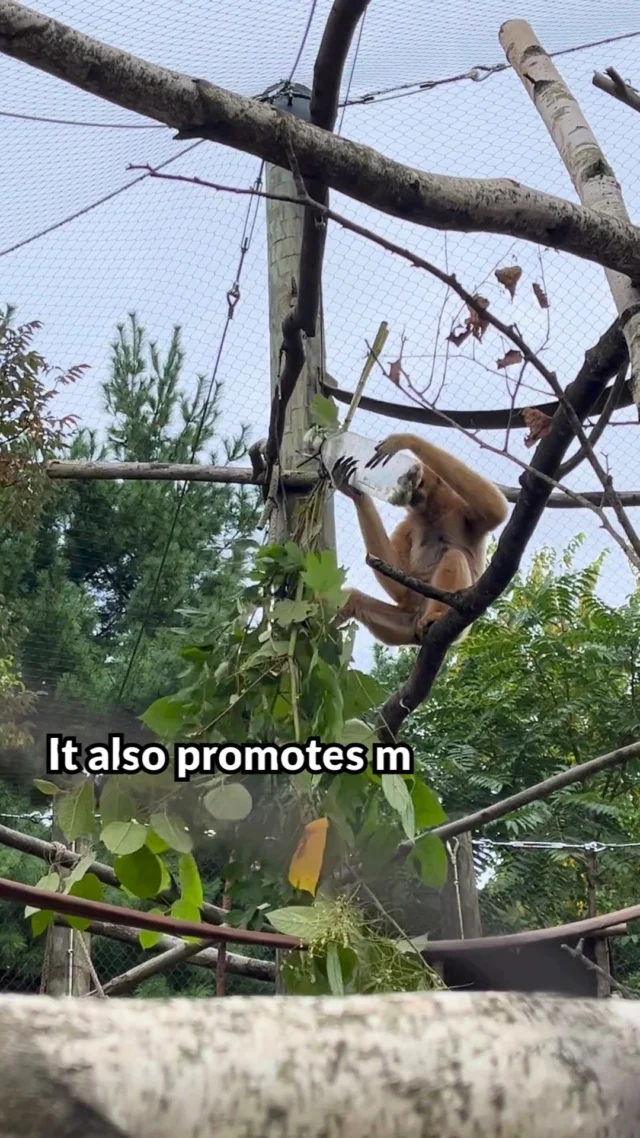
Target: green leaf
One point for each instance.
(124, 837)
(323, 577)
(304, 921)
(428, 811)
(430, 858)
(172, 829)
(291, 612)
(395, 791)
(116, 803)
(165, 717)
(46, 787)
(148, 939)
(156, 845)
(229, 803)
(77, 873)
(323, 412)
(140, 872)
(75, 811)
(356, 731)
(190, 883)
(49, 883)
(334, 970)
(183, 910)
(361, 693)
(40, 921)
(91, 889)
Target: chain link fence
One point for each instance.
(84, 240)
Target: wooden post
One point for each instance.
(601, 946)
(284, 239)
(65, 969)
(459, 906)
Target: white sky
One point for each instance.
(170, 251)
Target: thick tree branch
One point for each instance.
(451, 1064)
(601, 362)
(198, 108)
(613, 84)
(243, 476)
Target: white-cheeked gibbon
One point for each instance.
(442, 541)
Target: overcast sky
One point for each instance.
(170, 251)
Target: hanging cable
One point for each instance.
(352, 72)
(94, 205)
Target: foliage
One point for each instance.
(110, 557)
(29, 433)
(281, 675)
(547, 679)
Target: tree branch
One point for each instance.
(200, 109)
(205, 958)
(591, 966)
(455, 600)
(600, 363)
(613, 84)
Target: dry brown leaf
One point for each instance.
(395, 372)
(306, 862)
(513, 356)
(509, 277)
(475, 324)
(458, 338)
(540, 295)
(537, 423)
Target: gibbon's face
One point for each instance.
(419, 498)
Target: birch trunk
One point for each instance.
(593, 179)
(444, 1065)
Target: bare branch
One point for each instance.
(456, 600)
(591, 174)
(613, 84)
(615, 393)
(198, 108)
(591, 966)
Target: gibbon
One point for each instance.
(442, 541)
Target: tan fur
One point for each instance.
(442, 541)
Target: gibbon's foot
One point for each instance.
(385, 450)
(341, 474)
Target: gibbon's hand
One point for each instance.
(342, 472)
(386, 450)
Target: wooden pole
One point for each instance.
(601, 946)
(284, 240)
(66, 969)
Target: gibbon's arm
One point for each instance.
(484, 499)
(378, 544)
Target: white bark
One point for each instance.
(204, 110)
(440, 1065)
(593, 179)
